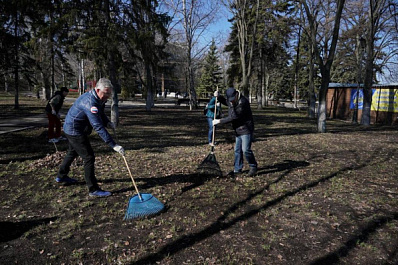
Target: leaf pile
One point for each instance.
(50, 161)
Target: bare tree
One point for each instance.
(191, 21)
(379, 38)
(324, 24)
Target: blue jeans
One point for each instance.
(210, 133)
(243, 145)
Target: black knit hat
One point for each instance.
(64, 89)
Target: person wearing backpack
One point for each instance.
(52, 110)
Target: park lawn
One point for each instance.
(328, 198)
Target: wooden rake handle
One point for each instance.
(131, 176)
(215, 115)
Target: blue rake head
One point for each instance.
(142, 207)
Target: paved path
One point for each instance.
(22, 123)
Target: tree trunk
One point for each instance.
(322, 105)
(296, 72)
(82, 78)
(5, 83)
(16, 68)
(115, 100)
(367, 95)
(112, 68)
(260, 90)
(311, 87)
(16, 82)
(325, 62)
(193, 102)
(149, 92)
(266, 84)
(243, 58)
(52, 56)
(46, 86)
(373, 17)
(244, 88)
(52, 70)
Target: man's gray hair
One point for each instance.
(103, 83)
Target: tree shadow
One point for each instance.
(194, 179)
(13, 230)
(221, 223)
(280, 167)
(362, 235)
(197, 180)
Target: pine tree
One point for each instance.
(211, 72)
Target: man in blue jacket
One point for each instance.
(87, 113)
(240, 115)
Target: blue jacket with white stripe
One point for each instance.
(88, 110)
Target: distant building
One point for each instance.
(343, 99)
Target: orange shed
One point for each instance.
(344, 99)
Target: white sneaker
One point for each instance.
(53, 140)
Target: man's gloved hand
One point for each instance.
(119, 149)
(111, 125)
(216, 121)
(218, 104)
(53, 112)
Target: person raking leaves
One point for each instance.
(240, 115)
(87, 113)
(52, 110)
(209, 112)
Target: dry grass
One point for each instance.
(327, 198)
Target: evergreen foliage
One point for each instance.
(46, 44)
(211, 73)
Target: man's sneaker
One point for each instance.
(65, 180)
(234, 173)
(252, 172)
(62, 138)
(100, 193)
(53, 140)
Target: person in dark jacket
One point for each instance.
(240, 115)
(87, 113)
(52, 110)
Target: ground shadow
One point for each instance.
(14, 230)
(362, 236)
(197, 180)
(194, 179)
(221, 223)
